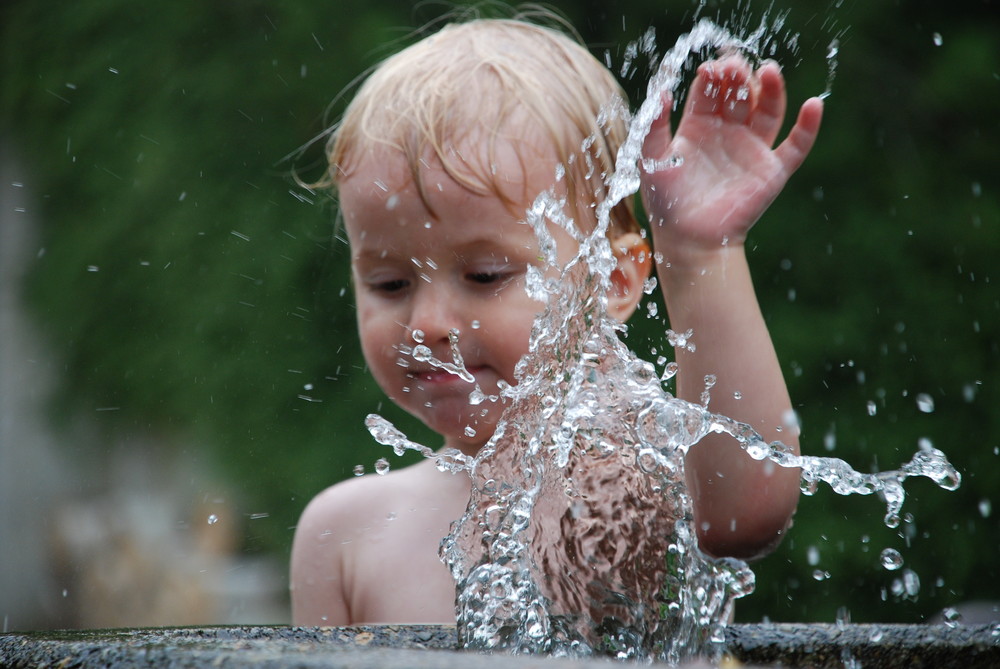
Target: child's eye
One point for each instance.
(486, 278)
(390, 286)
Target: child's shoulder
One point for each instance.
(353, 501)
(355, 496)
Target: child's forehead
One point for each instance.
(514, 168)
(385, 200)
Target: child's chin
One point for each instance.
(474, 430)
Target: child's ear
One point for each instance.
(635, 262)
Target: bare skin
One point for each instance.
(351, 564)
(701, 213)
(354, 565)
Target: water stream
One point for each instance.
(579, 538)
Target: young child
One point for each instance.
(434, 163)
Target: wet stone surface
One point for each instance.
(433, 647)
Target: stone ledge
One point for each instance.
(428, 646)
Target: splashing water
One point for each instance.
(891, 559)
(578, 538)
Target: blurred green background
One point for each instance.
(188, 290)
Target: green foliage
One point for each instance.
(185, 280)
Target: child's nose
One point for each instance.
(434, 312)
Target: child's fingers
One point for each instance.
(659, 135)
(800, 140)
(703, 96)
(771, 103)
(724, 88)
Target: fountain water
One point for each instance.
(578, 538)
(792, 645)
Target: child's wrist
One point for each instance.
(684, 263)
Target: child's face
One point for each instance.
(462, 269)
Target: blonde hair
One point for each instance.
(480, 79)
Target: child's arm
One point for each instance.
(317, 585)
(700, 212)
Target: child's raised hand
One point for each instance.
(725, 172)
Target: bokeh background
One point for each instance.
(179, 370)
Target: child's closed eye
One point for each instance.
(389, 286)
(487, 278)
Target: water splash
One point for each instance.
(891, 559)
(578, 538)
(832, 54)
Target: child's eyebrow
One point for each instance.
(371, 255)
(507, 247)
(502, 248)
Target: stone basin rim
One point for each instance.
(765, 644)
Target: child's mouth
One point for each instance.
(441, 376)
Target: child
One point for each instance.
(434, 163)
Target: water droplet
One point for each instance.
(706, 394)
(391, 516)
(475, 325)
(678, 340)
(359, 470)
(737, 395)
(381, 466)
(985, 508)
(790, 420)
(843, 617)
(872, 409)
(938, 40)
(213, 519)
(469, 431)
(876, 635)
(909, 585)
(952, 618)
(925, 403)
(477, 397)
(891, 559)
(830, 440)
(969, 392)
(418, 336)
(820, 575)
(812, 556)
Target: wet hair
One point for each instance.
(491, 80)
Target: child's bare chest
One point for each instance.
(395, 571)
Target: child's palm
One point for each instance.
(727, 173)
